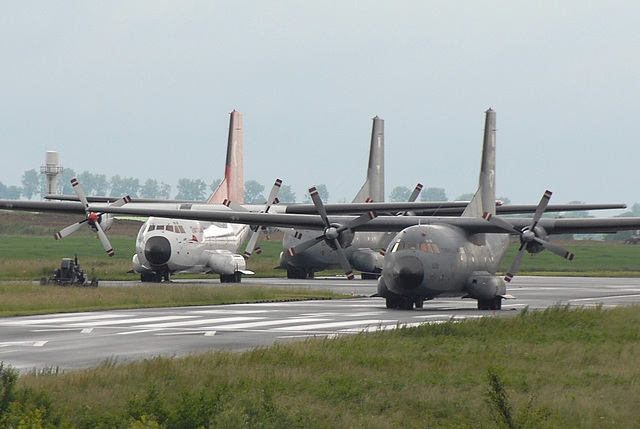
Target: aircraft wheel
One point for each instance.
(296, 273)
(419, 302)
(407, 303)
(496, 304)
(44, 280)
(237, 277)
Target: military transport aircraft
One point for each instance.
(433, 256)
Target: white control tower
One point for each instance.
(51, 169)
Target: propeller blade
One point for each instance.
(304, 245)
(105, 241)
(273, 195)
(80, 193)
(255, 232)
(542, 206)
(513, 268)
(501, 223)
(251, 244)
(344, 262)
(69, 230)
(317, 202)
(558, 250)
(415, 193)
(360, 220)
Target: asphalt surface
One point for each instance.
(78, 340)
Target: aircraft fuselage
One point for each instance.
(188, 246)
(427, 261)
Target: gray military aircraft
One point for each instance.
(434, 256)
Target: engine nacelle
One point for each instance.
(138, 267)
(226, 263)
(366, 260)
(345, 238)
(533, 246)
(105, 220)
(482, 285)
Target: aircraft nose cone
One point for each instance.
(157, 250)
(408, 272)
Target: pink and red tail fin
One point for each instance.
(232, 186)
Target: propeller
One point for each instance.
(331, 233)
(412, 198)
(529, 239)
(255, 230)
(92, 218)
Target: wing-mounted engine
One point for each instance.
(98, 222)
(482, 285)
(533, 239)
(366, 260)
(335, 235)
(229, 265)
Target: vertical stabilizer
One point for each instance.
(232, 186)
(373, 188)
(485, 198)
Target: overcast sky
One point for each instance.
(143, 89)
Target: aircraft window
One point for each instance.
(151, 227)
(395, 246)
(180, 229)
(170, 228)
(411, 246)
(160, 227)
(429, 247)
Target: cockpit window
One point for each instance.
(409, 245)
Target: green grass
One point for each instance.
(558, 368)
(26, 298)
(592, 258)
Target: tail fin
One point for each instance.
(232, 186)
(373, 188)
(485, 198)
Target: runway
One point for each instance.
(78, 340)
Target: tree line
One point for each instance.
(34, 186)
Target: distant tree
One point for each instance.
(150, 189)
(165, 191)
(253, 192)
(191, 189)
(400, 193)
(64, 182)
(30, 183)
(91, 183)
(214, 185)
(9, 192)
(122, 186)
(433, 194)
(465, 197)
(286, 195)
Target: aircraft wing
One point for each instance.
(443, 208)
(447, 208)
(43, 206)
(384, 223)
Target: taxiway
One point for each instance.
(77, 340)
